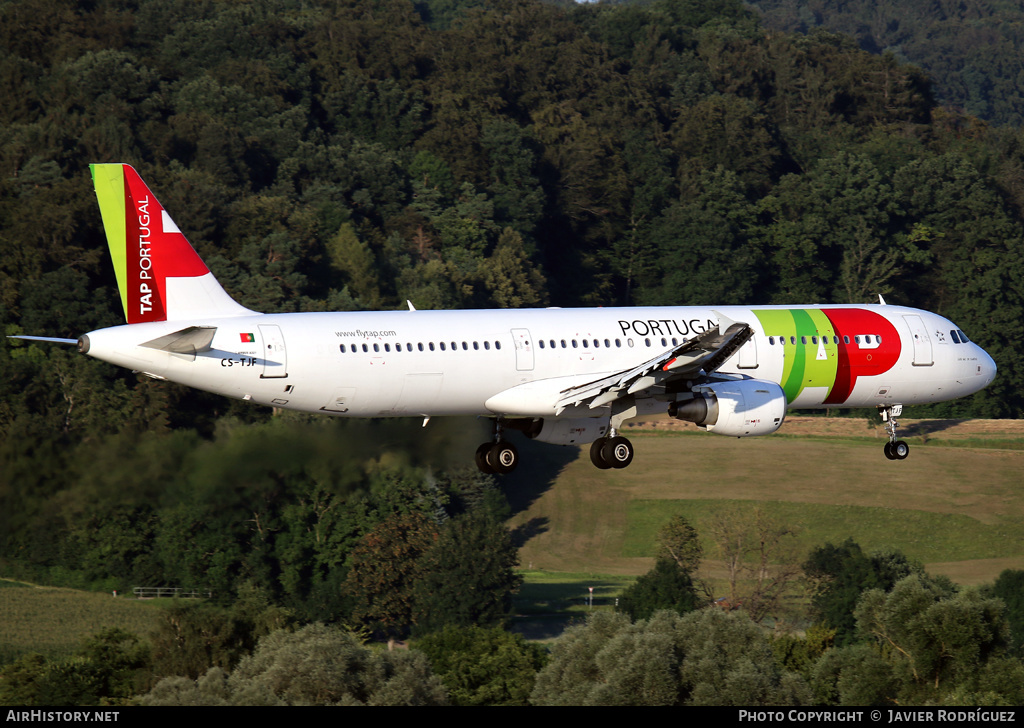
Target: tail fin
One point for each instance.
(161, 277)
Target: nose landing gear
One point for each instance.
(894, 449)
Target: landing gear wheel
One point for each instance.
(595, 453)
(618, 451)
(899, 449)
(888, 451)
(481, 458)
(503, 457)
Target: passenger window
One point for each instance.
(575, 344)
(803, 339)
(497, 344)
(607, 344)
(487, 345)
(647, 341)
(541, 342)
(476, 346)
(342, 348)
(365, 348)
(442, 346)
(814, 339)
(431, 345)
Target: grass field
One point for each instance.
(53, 621)
(956, 504)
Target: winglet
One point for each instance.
(160, 276)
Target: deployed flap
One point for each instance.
(193, 340)
(699, 356)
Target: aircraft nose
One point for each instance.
(986, 367)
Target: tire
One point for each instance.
(595, 453)
(618, 451)
(481, 458)
(503, 457)
(900, 449)
(888, 451)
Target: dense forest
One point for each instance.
(970, 50)
(355, 154)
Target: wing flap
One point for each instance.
(699, 356)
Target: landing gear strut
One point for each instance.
(497, 457)
(894, 449)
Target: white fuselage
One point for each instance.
(514, 362)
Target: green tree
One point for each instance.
(315, 665)
(483, 666)
(935, 639)
(707, 657)
(666, 586)
(1009, 587)
(384, 569)
(839, 575)
(680, 542)
(467, 577)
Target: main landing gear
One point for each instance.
(615, 451)
(497, 457)
(611, 452)
(894, 449)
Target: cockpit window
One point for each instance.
(954, 337)
(963, 336)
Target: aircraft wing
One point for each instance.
(694, 358)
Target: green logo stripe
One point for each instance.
(810, 364)
(108, 181)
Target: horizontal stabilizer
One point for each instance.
(193, 340)
(45, 338)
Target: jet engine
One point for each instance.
(741, 408)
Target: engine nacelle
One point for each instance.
(743, 408)
(577, 431)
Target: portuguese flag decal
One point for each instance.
(247, 338)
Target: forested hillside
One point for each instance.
(355, 154)
(971, 50)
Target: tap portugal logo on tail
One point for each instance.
(146, 245)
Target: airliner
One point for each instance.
(563, 376)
